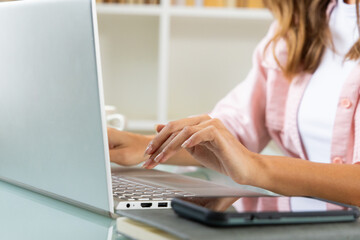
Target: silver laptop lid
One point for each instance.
(52, 137)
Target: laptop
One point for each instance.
(53, 136)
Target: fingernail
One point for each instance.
(159, 157)
(148, 149)
(147, 162)
(186, 143)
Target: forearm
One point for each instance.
(296, 177)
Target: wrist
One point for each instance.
(255, 170)
(142, 140)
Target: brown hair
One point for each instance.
(303, 24)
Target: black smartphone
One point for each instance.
(231, 211)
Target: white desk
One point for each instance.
(28, 215)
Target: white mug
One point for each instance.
(114, 119)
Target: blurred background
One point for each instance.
(165, 60)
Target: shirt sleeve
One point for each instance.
(242, 111)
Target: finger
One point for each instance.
(159, 127)
(147, 163)
(159, 150)
(171, 148)
(208, 134)
(170, 128)
(151, 165)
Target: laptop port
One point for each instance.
(146, 205)
(162, 204)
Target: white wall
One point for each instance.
(208, 56)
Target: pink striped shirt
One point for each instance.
(265, 106)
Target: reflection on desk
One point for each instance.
(28, 215)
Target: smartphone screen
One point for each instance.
(263, 204)
(235, 211)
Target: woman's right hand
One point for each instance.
(127, 148)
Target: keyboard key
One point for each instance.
(136, 197)
(118, 192)
(127, 195)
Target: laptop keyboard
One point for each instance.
(127, 189)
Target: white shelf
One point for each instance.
(239, 13)
(261, 14)
(113, 8)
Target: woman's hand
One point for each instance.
(126, 148)
(207, 140)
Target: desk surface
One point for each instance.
(184, 229)
(28, 215)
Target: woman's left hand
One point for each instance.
(207, 140)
